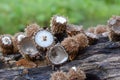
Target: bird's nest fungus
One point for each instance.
(56, 46)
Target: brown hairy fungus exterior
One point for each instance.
(58, 24)
(73, 30)
(59, 75)
(99, 29)
(82, 40)
(71, 46)
(91, 29)
(114, 21)
(92, 38)
(114, 28)
(76, 74)
(31, 29)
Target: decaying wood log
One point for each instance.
(100, 61)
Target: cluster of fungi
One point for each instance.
(58, 44)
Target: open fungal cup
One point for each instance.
(114, 21)
(16, 40)
(114, 28)
(92, 38)
(58, 24)
(73, 30)
(57, 55)
(6, 44)
(43, 38)
(18, 37)
(60, 19)
(28, 49)
(6, 40)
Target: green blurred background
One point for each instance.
(16, 14)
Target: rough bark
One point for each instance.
(100, 61)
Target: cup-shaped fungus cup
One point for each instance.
(73, 30)
(43, 39)
(76, 74)
(71, 46)
(31, 29)
(58, 26)
(6, 44)
(57, 55)
(28, 49)
(17, 39)
(59, 75)
(114, 28)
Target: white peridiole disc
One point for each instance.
(43, 38)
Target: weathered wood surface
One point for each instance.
(100, 62)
